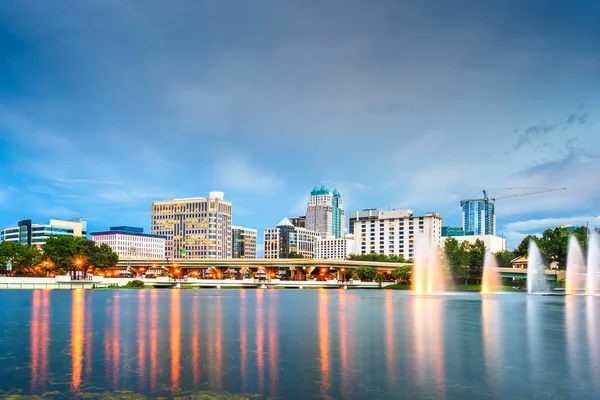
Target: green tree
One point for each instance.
(554, 243)
(77, 254)
(379, 277)
(523, 248)
(22, 258)
(103, 257)
(293, 254)
(365, 273)
(457, 255)
(403, 273)
(476, 259)
(504, 258)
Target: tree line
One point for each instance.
(60, 255)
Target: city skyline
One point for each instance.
(106, 107)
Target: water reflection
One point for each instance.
(345, 372)
(273, 344)
(592, 339)
(141, 337)
(491, 314)
(153, 338)
(116, 341)
(77, 338)
(260, 339)
(89, 342)
(243, 340)
(175, 339)
(40, 336)
(196, 341)
(427, 346)
(219, 344)
(324, 341)
(389, 338)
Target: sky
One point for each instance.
(107, 105)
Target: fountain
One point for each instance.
(593, 265)
(536, 276)
(428, 275)
(491, 277)
(575, 278)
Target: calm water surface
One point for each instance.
(298, 344)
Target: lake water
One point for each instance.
(298, 344)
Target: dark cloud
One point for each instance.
(544, 128)
(577, 118)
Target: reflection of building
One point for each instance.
(197, 227)
(479, 216)
(393, 232)
(285, 239)
(35, 235)
(243, 242)
(299, 222)
(492, 243)
(131, 242)
(325, 212)
(455, 231)
(334, 248)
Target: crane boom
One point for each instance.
(530, 193)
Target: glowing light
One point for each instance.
(175, 339)
(77, 338)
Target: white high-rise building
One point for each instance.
(131, 242)
(333, 248)
(286, 238)
(198, 227)
(325, 213)
(394, 232)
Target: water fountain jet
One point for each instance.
(428, 274)
(574, 281)
(536, 276)
(593, 263)
(491, 276)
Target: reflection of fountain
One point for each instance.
(536, 276)
(593, 266)
(493, 340)
(491, 277)
(428, 276)
(574, 280)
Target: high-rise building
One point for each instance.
(35, 235)
(198, 227)
(132, 242)
(393, 232)
(299, 222)
(285, 239)
(479, 216)
(243, 242)
(363, 215)
(325, 213)
(333, 248)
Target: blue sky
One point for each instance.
(106, 105)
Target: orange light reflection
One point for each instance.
(175, 339)
(196, 340)
(141, 338)
(115, 341)
(219, 344)
(273, 344)
(153, 338)
(260, 363)
(77, 338)
(324, 341)
(44, 337)
(35, 336)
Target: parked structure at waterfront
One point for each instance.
(35, 235)
(132, 242)
(286, 238)
(325, 213)
(243, 242)
(299, 222)
(479, 216)
(393, 232)
(198, 227)
(334, 248)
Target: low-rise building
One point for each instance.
(35, 235)
(243, 242)
(492, 242)
(286, 239)
(393, 232)
(334, 248)
(132, 242)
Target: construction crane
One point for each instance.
(531, 191)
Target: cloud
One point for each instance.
(545, 128)
(237, 173)
(576, 118)
(551, 222)
(299, 208)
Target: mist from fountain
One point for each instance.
(593, 263)
(575, 278)
(536, 276)
(428, 273)
(491, 276)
